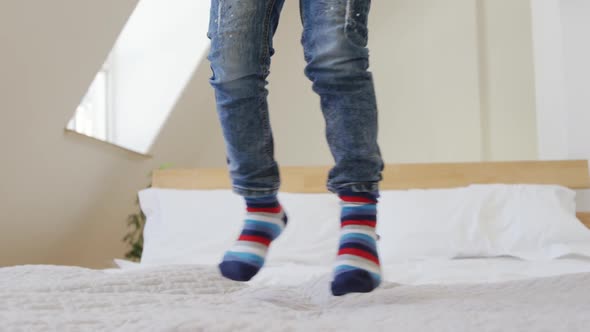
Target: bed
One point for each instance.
(465, 294)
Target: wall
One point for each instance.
(562, 77)
(425, 60)
(575, 16)
(562, 71)
(549, 79)
(507, 80)
(64, 197)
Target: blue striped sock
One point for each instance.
(265, 221)
(357, 268)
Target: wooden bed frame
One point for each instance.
(574, 174)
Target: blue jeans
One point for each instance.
(335, 48)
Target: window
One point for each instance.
(149, 66)
(93, 115)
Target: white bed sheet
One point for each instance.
(476, 270)
(196, 298)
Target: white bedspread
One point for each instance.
(192, 298)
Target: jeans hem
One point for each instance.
(255, 192)
(360, 187)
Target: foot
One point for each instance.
(265, 221)
(357, 264)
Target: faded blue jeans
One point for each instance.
(335, 47)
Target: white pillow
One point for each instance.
(198, 226)
(188, 227)
(526, 221)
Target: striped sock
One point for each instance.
(357, 265)
(265, 220)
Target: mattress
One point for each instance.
(517, 297)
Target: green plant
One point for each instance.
(134, 237)
(135, 225)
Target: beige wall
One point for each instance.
(444, 94)
(507, 80)
(64, 198)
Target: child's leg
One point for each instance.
(335, 38)
(241, 47)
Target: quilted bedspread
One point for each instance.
(195, 298)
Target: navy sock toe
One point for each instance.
(355, 281)
(238, 271)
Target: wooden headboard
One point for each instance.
(573, 174)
